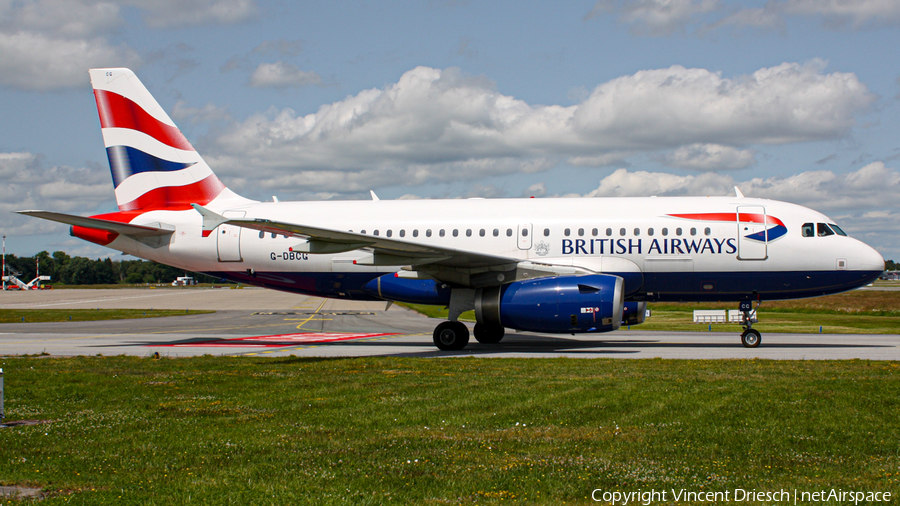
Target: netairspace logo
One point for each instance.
(738, 495)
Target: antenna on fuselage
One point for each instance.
(374, 197)
(737, 193)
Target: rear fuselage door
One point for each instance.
(228, 239)
(525, 236)
(752, 235)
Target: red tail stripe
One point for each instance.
(177, 198)
(117, 111)
(745, 217)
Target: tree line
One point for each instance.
(68, 270)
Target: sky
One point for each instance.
(793, 100)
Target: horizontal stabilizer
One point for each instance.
(137, 231)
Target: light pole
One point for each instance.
(4, 262)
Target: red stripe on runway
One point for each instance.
(278, 340)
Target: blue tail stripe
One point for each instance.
(125, 161)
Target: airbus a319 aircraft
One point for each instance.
(541, 265)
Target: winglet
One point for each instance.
(737, 193)
(211, 220)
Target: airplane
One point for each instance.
(547, 265)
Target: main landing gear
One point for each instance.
(451, 336)
(751, 337)
(454, 336)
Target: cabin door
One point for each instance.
(752, 235)
(228, 239)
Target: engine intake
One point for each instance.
(565, 304)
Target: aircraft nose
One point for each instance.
(867, 259)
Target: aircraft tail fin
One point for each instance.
(153, 165)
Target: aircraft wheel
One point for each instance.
(489, 334)
(451, 336)
(751, 338)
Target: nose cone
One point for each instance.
(867, 259)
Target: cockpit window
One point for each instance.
(808, 230)
(837, 229)
(822, 230)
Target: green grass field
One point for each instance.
(373, 431)
(86, 315)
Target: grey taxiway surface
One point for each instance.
(258, 322)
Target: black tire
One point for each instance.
(451, 336)
(751, 338)
(488, 334)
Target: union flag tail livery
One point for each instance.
(153, 165)
(536, 265)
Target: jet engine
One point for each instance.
(564, 304)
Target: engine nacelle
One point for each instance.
(416, 291)
(565, 304)
(634, 312)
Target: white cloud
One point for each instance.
(853, 13)
(282, 75)
(28, 184)
(179, 13)
(664, 17)
(710, 157)
(64, 18)
(440, 125)
(34, 61)
(50, 44)
(675, 106)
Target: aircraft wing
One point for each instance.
(137, 231)
(384, 250)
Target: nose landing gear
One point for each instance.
(751, 337)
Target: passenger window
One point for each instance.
(389, 233)
(622, 232)
(362, 232)
(693, 231)
(650, 231)
(524, 232)
(261, 234)
(837, 229)
(468, 232)
(665, 231)
(807, 230)
(375, 232)
(274, 235)
(707, 231)
(594, 232)
(402, 233)
(580, 232)
(496, 232)
(822, 230)
(678, 231)
(608, 232)
(566, 232)
(637, 232)
(415, 232)
(455, 232)
(441, 233)
(546, 232)
(428, 233)
(481, 232)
